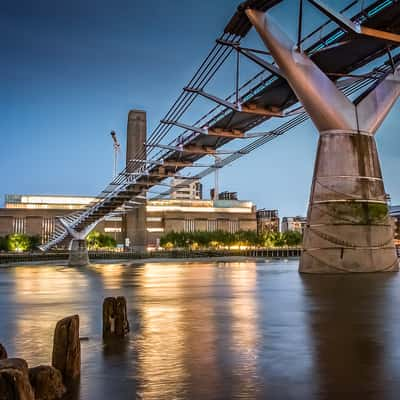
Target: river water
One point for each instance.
(242, 330)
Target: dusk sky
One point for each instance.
(71, 70)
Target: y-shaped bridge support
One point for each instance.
(348, 228)
(78, 252)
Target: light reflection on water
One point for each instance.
(214, 331)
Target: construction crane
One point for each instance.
(117, 148)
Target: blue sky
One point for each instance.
(71, 70)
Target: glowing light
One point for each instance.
(155, 229)
(110, 230)
(56, 199)
(47, 201)
(153, 219)
(229, 210)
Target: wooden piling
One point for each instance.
(3, 352)
(115, 319)
(67, 348)
(14, 380)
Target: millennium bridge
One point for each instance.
(344, 75)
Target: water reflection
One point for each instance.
(244, 328)
(161, 345)
(214, 331)
(110, 275)
(42, 296)
(348, 319)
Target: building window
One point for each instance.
(188, 225)
(112, 230)
(222, 225)
(19, 225)
(154, 219)
(155, 229)
(233, 226)
(47, 228)
(212, 225)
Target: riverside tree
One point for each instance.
(97, 240)
(223, 239)
(19, 242)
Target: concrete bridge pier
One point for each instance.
(348, 227)
(78, 253)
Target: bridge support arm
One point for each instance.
(79, 235)
(327, 106)
(78, 253)
(374, 108)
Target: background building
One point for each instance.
(35, 215)
(223, 195)
(294, 224)
(144, 225)
(228, 196)
(186, 189)
(267, 221)
(168, 215)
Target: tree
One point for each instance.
(18, 242)
(279, 239)
(97, 240)
(92, 240)
(215, 239)
(34, 242)
(3, 244)
(293, 238)
(247, 238)
(106, 241)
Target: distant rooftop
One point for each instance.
(34, 201)
(229, 206)
(30, 201)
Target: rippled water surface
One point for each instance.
(214, 330)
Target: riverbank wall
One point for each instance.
(11, 258)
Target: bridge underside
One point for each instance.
(337, 53)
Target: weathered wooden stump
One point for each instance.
(115, 320)
(67, 348)
(14, 380)
(3, 352)
(15, 363)
(46, 382)
(121, 320)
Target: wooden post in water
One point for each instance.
(14, 380)
(47, 382)
(115, 320)
(67, 348)
(3, 352)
